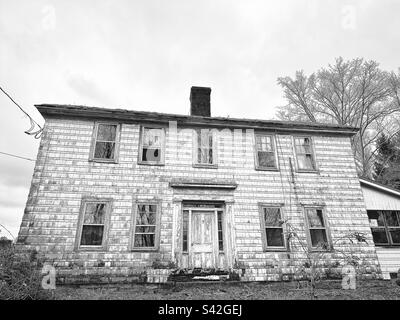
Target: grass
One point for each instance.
(327, 290)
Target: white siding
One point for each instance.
(375, 199)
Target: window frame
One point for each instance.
(387, 229)
(94, 141)
(273, 142)
(195, 136)
(84, 202)
(140, 153)
(326, 228)
(135, 211)
(265, 245)
(314, 159)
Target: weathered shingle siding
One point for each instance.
(63, 175)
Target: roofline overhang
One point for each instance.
(75, 111)
(379, 186)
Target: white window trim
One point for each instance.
(274, 146)
(140, 153)
(94, 140)
(214, 148)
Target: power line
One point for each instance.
(15, 156)
(36, 134)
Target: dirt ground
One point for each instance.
(327, 290)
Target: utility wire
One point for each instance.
(15, 156)
(7, 231)
(36, 134)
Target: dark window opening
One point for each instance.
(304, 154)
(317, 229)
(265, 152)
(185, 228)
(385, 227)
(105, 141)
(145, 228)
(93, 224)
(273, 226)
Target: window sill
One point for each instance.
(267, 169)
(104, 161)
(307, 171)
(207, 166)
(91, 248)
(275, 249)
(151, 164)
(143, 249)
(388, 246)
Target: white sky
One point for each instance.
(145, 55)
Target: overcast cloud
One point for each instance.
(145, 55)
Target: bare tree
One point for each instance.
(355, 93)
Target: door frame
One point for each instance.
(215, 210)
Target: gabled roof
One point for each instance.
(379, 186)
(74, 111)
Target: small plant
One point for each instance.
(20, 276)
(315, 265)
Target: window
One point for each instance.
(185, 231)
(317, 228)
(105, 142)
(220, 234)
(265, 153)
(272, 224)
(145, 235)
(152, 146)
(304, 153)
(93, 222)
(205, 150)
(385, 227)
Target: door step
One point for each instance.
(201, 275)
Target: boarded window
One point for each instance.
(304, 153)
(273, 227)
(152, 145)
(145, 226)
(205, 147)
(385, 227)
(93, 224)
(265, 152)
(105, 142)
(317, 228)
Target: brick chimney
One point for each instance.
(200, 101)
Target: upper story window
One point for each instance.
(105, 142)
(93, 223)
(146, 227)
(272, 225)
(317, 229)
(385, 227)
(152, 146)
(304, 154)
(205, 148)
(265, 152)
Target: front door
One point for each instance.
(203, 239)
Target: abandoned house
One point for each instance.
(134, 196)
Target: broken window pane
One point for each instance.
(315, 218)
(266, 159)
(152, 144)
(92, 235)
(318, 237)
(305, 162)
(274, 237)
(376, 218)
